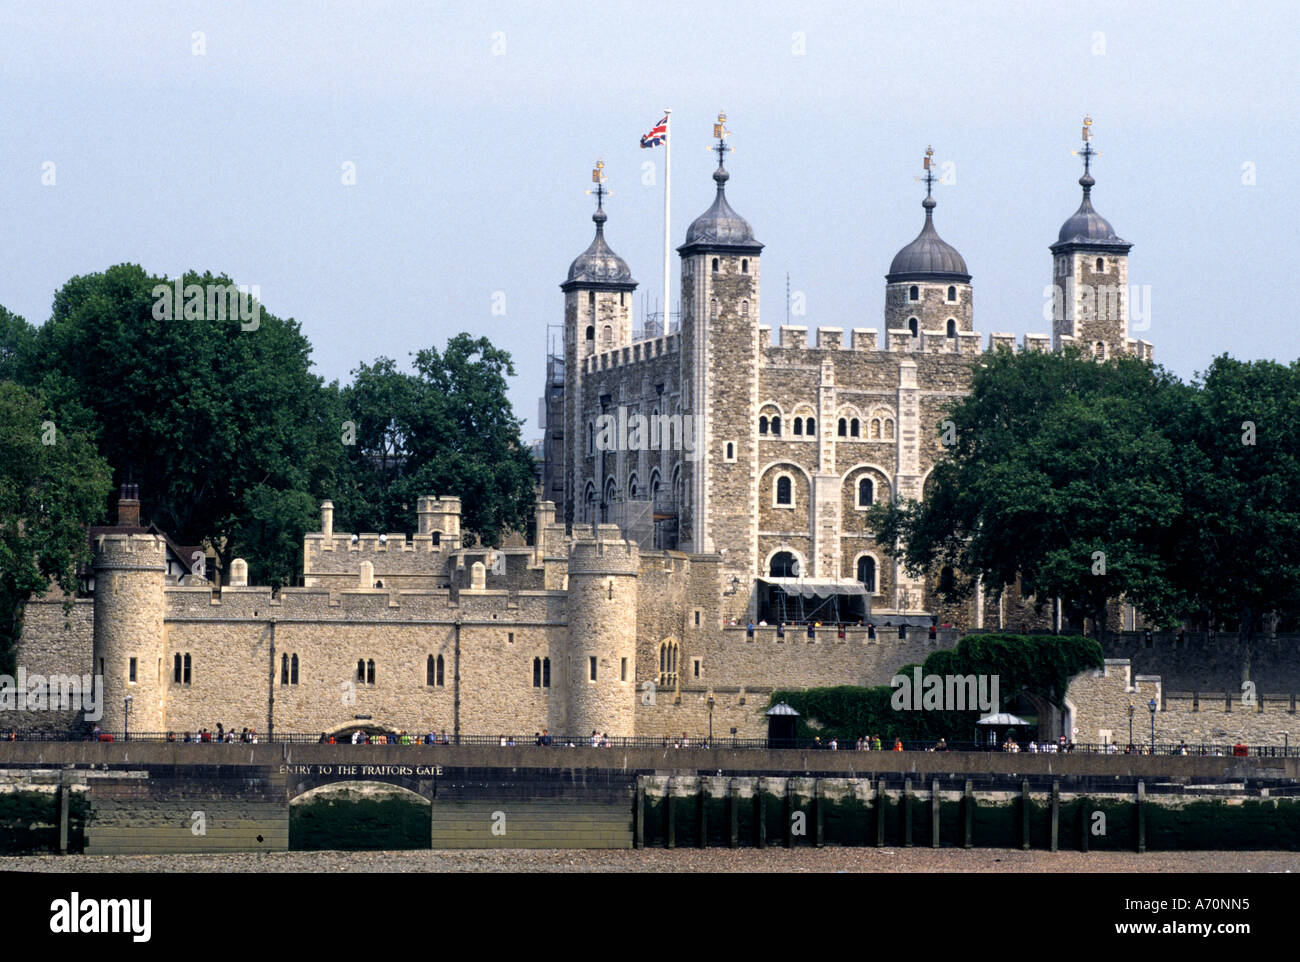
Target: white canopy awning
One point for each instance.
(1002, 719)
(817, 587)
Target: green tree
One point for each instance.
(53, 484)
(1059, 472)
(217, 417)
(1238, 544)
(17, 347)
(446, 429)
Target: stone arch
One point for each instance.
(874, 588)
(798, 556)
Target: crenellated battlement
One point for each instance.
(602, 552)
(146, 551)
(634, 353)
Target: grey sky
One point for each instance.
(471, 162)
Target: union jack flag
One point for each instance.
(658, 135)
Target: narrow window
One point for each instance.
(744, 265)
(430, 672)
(798, 426)
(546, 673)
(697, 619)
(810, 426)
(762, 425)
(952, 293)
(437, 538)
(913, 293)
(284, 669)
(744, 308)
(293, 670)
(591, 299)
(715, 265)
(440, 667)
(695, 667)
(843, 430)
(731, 455)
(855, 428)
(131, 671)
(776, 426)
(537, 673)
(176, 669)
(889, 429)
(866, 493)
(361, 670)
(875, 429)
(912, 325)
(867, 573)
(591, 332)
(622, 669)
(608, 336)
(621, 302)
(370, 672)
(952, 327)
(591, 667)
(1101, 265)
(510, 637)
(1100, 350)
(187, 667)
(714, 309)
(783, 490)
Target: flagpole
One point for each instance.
(668, 179)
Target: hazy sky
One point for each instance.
(213, 136)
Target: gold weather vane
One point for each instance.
(598, 178)
(720, 134)
(928, 166)
(1086, 151)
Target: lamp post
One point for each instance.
(1151, 706)
(710, 719)
(126, 718)
(1131, 710)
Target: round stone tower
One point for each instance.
(130, 570)
(602, 605)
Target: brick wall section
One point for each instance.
(54, 642)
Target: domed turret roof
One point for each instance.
(929, 257)
(598, 266)
(1086, 227)
(720, 227)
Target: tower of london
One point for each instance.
(700, 539)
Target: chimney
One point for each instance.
(128, 506)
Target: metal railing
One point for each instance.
(723, 742)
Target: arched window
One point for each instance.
(440, 666)
(866, 493)
(952, 327)
(843, 429)
(607, 336)
(947, 581)
(875, 429)
(784, 493)
(176, 669)
(952, 293)
(1099, 350)
(284, 669)
(798, 426)
(744, 308)
(731, 451)
(591, 299)
(776, 426)
(783, 565)
(762, 424)
(714, 309)
(1101, 265)
(668, 664)
(437, 538)
(370, 672)
(867, 573)
(889, 429)
(854, 428)
(715, 265)
(912, 325)
(744, 265)
(591, 332)
(293, 670)
(913, 293)
(810, 426)
(431, 671)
